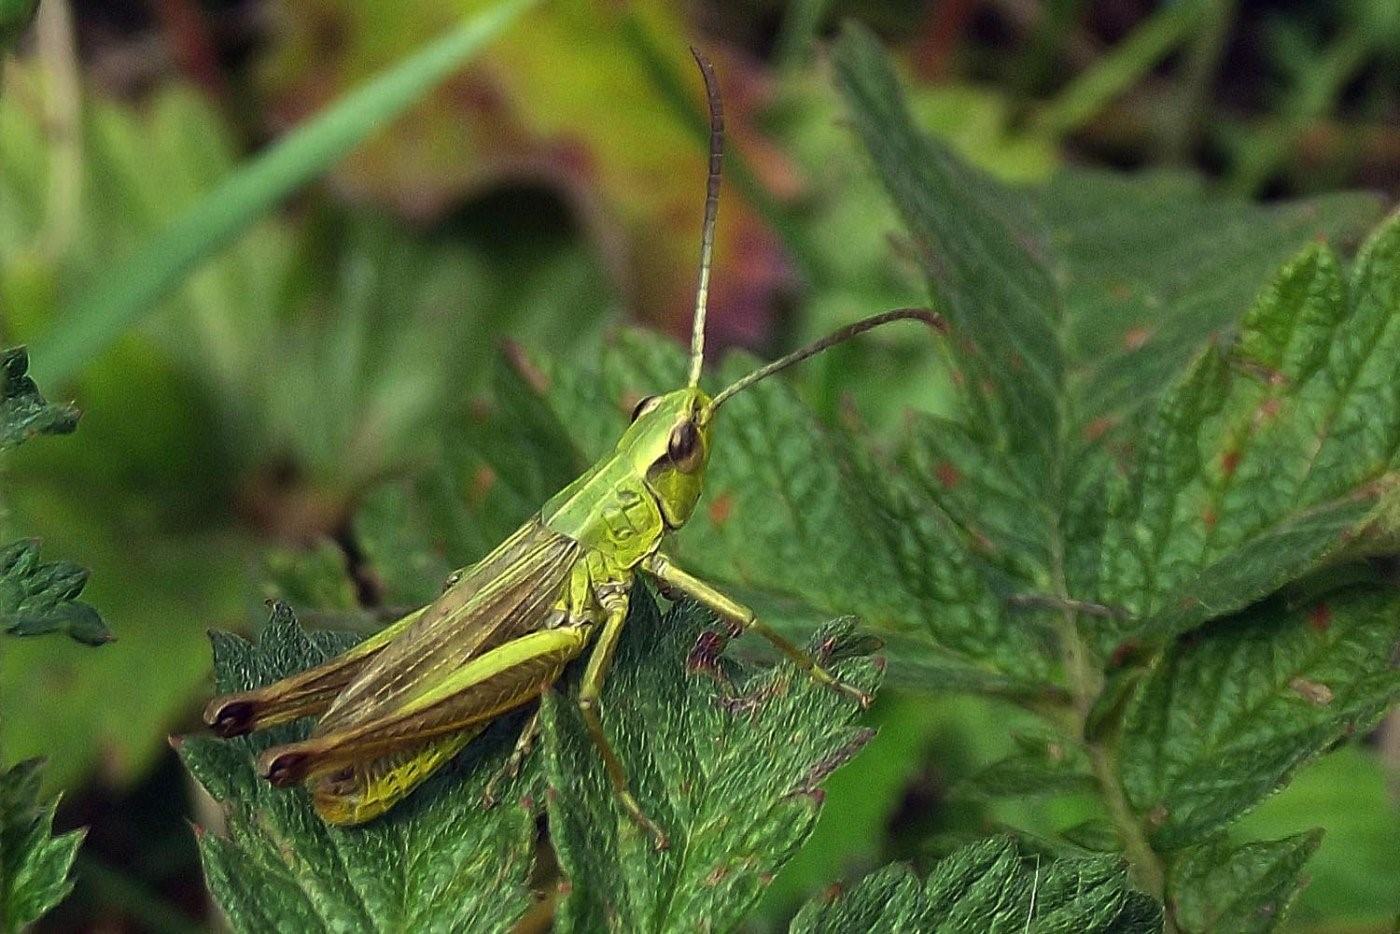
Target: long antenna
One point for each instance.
(707, 235)
(931, 318)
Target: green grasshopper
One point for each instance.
(398, 705)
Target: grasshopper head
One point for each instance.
(669, 443)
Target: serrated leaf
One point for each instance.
(1248, 888)
(1071, 306)
(437, 861)
(1044, 764)
(1271, 456)
(1225, 716)
(990, 886)
(34, 863)
(727, 759)
(38, 597)
(1055, 346)
(24, 412)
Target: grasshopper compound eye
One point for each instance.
(684, 446)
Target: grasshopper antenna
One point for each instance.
(707, 235)
(932, 318)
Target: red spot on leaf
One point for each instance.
(1229, 461)
(1120, 291)
(1123, 653)
(1268, 409)
(1209, 517)
(482, 482)
(1320, 617)
(1134, 338)
(1098, 428)
(721, 507)
(947, 474)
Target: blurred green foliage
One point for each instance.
(313, 414)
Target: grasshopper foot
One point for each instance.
(863, 698)
(647, 825)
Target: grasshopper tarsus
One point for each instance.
(282, 769)
(230, 718)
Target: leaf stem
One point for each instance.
(1086, 682)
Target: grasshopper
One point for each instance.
(398, 705)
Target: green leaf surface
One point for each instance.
(24, 412)
(727, 759)
(117, 299)
(990, 886)
(1224, 717)
(438, 861)
(1043, 764)
(1070, 308)
(1355, 873)
(42, 597)
(1247, 888)
(1272, 455)
(34, 863)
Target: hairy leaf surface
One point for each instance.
(990, 886)
(727, 759)
(34, 863)
(437, 861)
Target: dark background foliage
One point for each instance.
(309, 409)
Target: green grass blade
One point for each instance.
(118, 298)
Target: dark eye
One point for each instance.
(684, 445)
(642, 406)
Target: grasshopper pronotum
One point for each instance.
(404, 701)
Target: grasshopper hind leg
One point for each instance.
(361, 792)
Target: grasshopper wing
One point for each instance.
(484, 647)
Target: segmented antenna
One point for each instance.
(707, 234)
(932, 318)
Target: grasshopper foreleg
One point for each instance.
(661, 568)
(589, 703)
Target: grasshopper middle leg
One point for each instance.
(589, 700)
(661, 568)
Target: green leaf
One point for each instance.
(38, 598)
(1045, 763)
(34, 863)
(1355, 873)
(1248, 888)
(23, 411)
(438, 860)
(118, 298)
(990, 886)
(1070, 309)
(727, 759)
(1273, 455)
(1225, 716)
